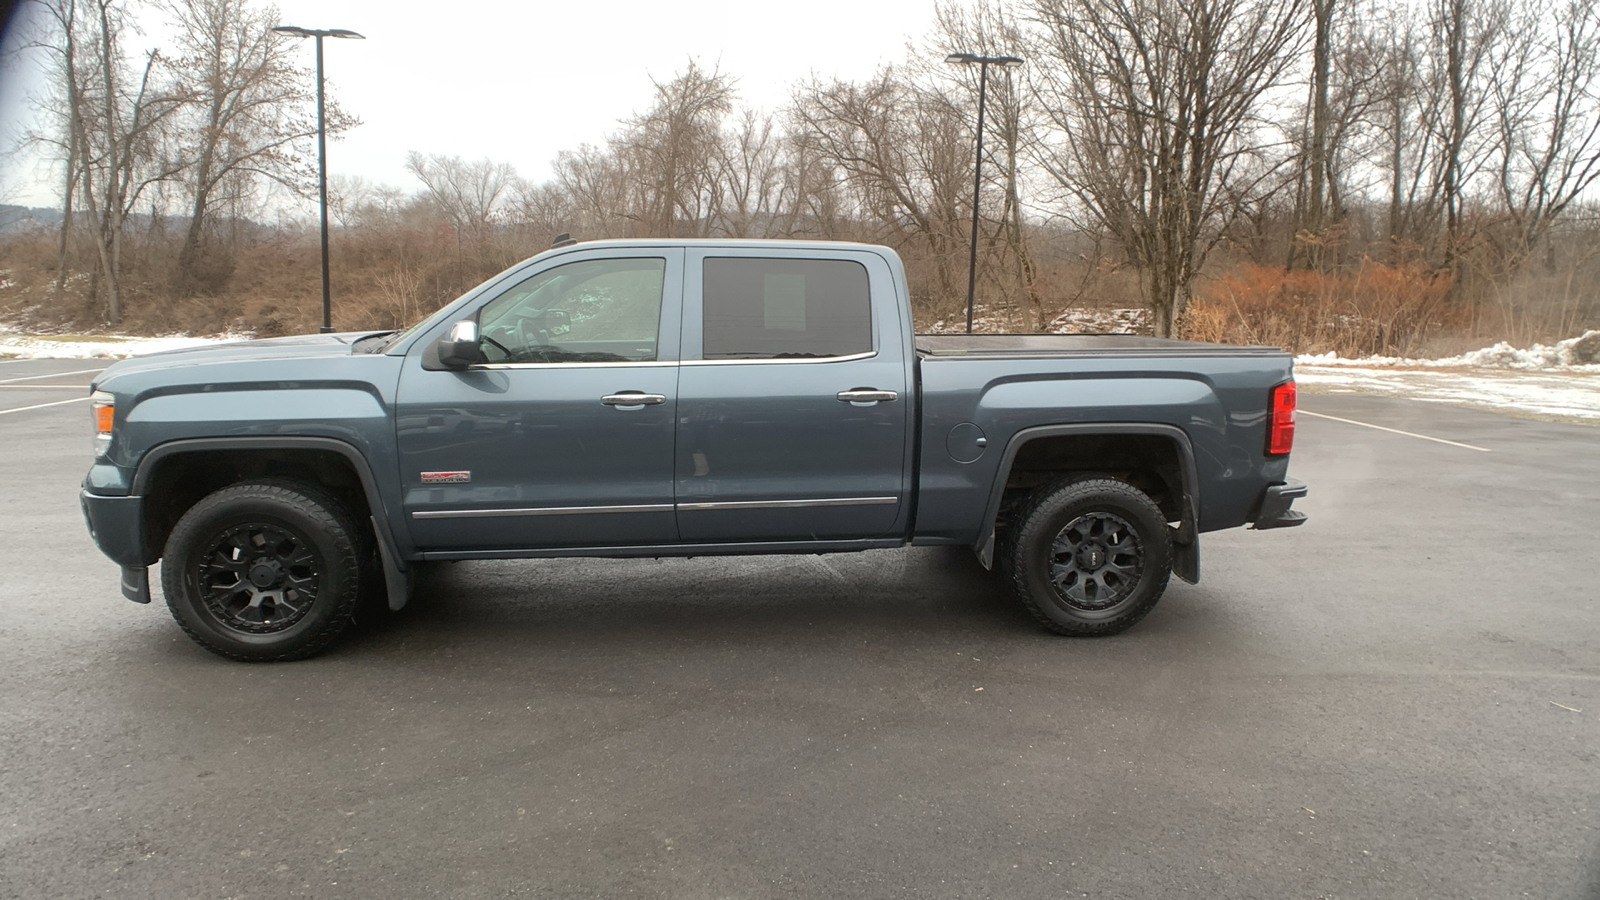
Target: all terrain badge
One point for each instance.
(446, 477)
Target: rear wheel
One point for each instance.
(266, 570)
(1090, 556)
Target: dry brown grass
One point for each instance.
(1369, 309)
(390, 275)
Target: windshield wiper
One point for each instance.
(387, 339)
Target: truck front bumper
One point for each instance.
(1275, 503)
(117, 526)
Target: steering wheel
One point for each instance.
(502, 347)
(529, 332)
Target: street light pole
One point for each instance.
(322, 155)
(983, 63)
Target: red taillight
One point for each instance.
(1280, 428)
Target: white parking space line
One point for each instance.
(42, 405)
(44, 387)
(1396, 431)
(51, 375)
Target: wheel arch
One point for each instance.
(217, 462)
(1172, 465)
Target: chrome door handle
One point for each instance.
(633, 400)
(866, 395)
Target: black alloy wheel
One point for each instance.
(1096, 561)
(266, 570)
(1090, 556)
(259, 578)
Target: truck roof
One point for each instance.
(731, 243)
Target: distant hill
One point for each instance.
(24, 218)
(17, 219)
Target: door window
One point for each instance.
(599, 310)
(785, 308)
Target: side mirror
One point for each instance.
(461, 348)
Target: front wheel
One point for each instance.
(266, 570)
(1091, 556)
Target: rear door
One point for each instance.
(793, 402)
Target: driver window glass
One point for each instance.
(600, 310)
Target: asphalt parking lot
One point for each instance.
(1400, 699)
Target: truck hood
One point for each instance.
(305, 346)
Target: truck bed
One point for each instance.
(1059, 345)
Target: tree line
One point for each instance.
(1146, 149)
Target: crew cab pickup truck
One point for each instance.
(675, 398)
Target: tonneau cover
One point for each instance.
(990, 345)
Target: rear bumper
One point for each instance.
(1275, 505)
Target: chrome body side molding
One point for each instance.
(537, 511)
(650, 507)
(790, 504)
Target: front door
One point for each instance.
(564, 436)
(793, 406)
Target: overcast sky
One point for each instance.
(520, 81)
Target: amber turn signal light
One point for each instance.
(104, 411)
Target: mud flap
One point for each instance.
(396, 579)
(136, 583)
(1186, 555)
(986, 551)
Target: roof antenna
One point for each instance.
(564, 239)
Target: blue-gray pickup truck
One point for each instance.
(675, 398)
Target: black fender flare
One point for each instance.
(397, 574)
(1186, 545)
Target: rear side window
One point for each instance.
(785, 308)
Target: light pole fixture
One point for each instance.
(322, 152)
(983, 63)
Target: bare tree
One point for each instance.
(748, 184)
(1468, 32)
(1547, 118)
(811, 201)
(542, 209)
(599, 186)
(672, 151)
(987, 28)
(468, 193)
(246, 108)
(348, 195)
(62, 111)
(120, 136)
(1406, 103)
(1156, 106)
(900, 153)
(1311, 205)
(1344, 118)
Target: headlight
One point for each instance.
(104, 406)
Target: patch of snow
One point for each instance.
(1581, 353)
(1562, 380)
(1102, 321)
(1089, 320)
(1570, 393)
(31, 346)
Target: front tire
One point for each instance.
(1090, 556)
(266, 570)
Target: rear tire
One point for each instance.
(1090, 556)
(265, 570)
